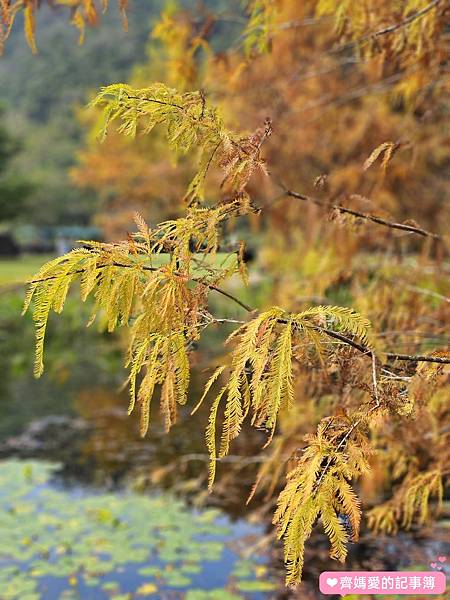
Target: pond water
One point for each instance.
(73, 543)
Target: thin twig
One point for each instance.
(210, 286)
(233, 321)
(232, 458)
(426, 292)
(361, 215)
(394, 375)
(374, 379)
(389, 29)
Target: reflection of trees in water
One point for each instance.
(77, 355)
(113, 452)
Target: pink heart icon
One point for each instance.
(442, 558)
(332, 581)
(433, 565)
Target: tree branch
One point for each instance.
(224, 293)
(390, 28)
(210, 286)
(361, 215)
(418, 358)
(345, 340)
(405, 22)
(333, 334)
(394, 355)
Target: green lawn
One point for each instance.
(18, 270)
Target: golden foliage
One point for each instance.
(165, 306)
(190, 122)
(409, 37)
(162, 312)
(410, 502)
(157, 303)
(262, 15)
(83, 12)
(386, 150)
(182, 42)
(29, 26)
(318, 487)
(282, 363)
(418, 453)
(260, 378)
(119, 170)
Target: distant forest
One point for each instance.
(40, 93)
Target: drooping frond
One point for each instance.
(334, 529)
(318, 487)
(112, 276)
(351, 505)
(152, 376)
(211, 437)
(280, 388)
(410, 503)
(208, 386)
(30, 25)
(49, 290)
(164, 359)
(243, 357)
(82, 13)
(260, 379)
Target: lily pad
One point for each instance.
(255, 586)
(146, 589)
(60, 543)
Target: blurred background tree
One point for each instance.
(14, 188)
